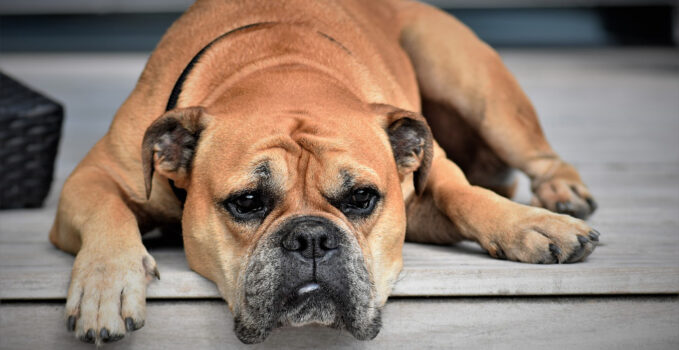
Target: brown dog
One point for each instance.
(286, 139)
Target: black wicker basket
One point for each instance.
(30, 127)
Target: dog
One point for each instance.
(299, 144)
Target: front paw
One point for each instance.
(562, 191)
(541, 237)
(107, 296)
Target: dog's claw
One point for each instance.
(156, 274)
(130, 325)
(70, 324)
(88, 337)
(116, 337)
(577, 253)
(556, 251)
(567, 208)
(594, 235)
(560, 207)
(104, 335)
(583, 240)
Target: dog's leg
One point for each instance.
(107, 295)
(455, 69)
(468, 150)
(450, 209)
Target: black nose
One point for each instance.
(311, 237)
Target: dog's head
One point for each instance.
(295, 213)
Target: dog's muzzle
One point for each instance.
(308, 271)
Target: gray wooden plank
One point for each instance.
(617, 106)
(624, 264)
(507, 323)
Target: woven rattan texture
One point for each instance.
(30, 127)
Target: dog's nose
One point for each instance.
(311, 238)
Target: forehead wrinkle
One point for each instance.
(271, 170)
(361, 173)
(347, 176)
(262, 171)
(282, 141)
(313, 134)
(316, 143)
(322, 142)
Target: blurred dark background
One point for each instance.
(129, 25)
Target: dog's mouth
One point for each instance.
(306, 293)
(281, 289)
(309, 303)
(312, 303)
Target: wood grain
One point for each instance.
(464, 323)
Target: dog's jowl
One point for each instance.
(299, 144)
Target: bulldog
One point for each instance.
(298, 144)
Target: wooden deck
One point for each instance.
(613, 113)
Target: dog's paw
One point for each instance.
(107, 296)
(562, 191)
(545, 238)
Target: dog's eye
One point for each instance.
(247, 206)
(248, 203)
(361, 198)
(360, 202)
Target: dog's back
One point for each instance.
(367, 29)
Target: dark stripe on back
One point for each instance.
(177, 89)
(334, 41)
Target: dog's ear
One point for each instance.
(169, 145)
(411, 142)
